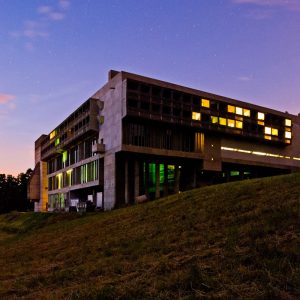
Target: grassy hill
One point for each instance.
(239, 240)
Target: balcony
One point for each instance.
(98, 148)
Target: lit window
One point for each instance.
(288, 122)
(260, 116)
(205, 103)
(214, 119)
(222, 121)
(57, 142)
(239, 111)
(239, 124)
(231, 123)
(262, 123)
(196, 116)
(287, 141)
(52, 134)
(247, 112)
(268, 130)
(267, 137)
(288, 135)
(274, 131)
(231, 109)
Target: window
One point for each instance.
(214, 119)
(222, 121)
(274, 131)
(205, 103)
(268, 130)
(288, 122)
(288, 135)
(196, 116)
(246, 112)
(231, 109)
(52, 134)
(260, 116)
(57, 142)
(231, 123)
(239, 111)
(239, 124)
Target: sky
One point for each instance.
(55, 54)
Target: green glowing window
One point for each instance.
(57, 142)
(64, 156)
(234, 173)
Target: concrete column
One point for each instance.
(109, 181)
(136, 178)
(166, 180)
(126, 182)
(157, 187)
(177, 178)
(146, 176)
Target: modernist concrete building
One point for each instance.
(141, 136)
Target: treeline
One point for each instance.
(13, 192)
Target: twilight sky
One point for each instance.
(55, 54)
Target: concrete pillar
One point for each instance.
(126, 182)
(136, 178)
(109, 181)
(146, 176)
(157, 187)
(177, 178)
(166, 180)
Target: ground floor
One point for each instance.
(132, 175)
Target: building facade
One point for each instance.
(139, 136)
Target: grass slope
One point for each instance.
(236, 240)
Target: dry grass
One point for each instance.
(232, 241)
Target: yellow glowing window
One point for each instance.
(222, 121)
(268, 130)
(287, 141)
(231, 109)
(268, 137)
(230, 123)
(274, 131)
(260, 116)
(288, 135)
(288, 129)
(239, 124)
(247, 112)
(288, 122)
(205, 103)
(239, 111)
(262, 123)
(52, 134)
(214, 119)
(196, 116)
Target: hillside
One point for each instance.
(237, 240)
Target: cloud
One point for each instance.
(38, 28)
(64, 4)
(244, 78)
(6, 98)
(293, 5)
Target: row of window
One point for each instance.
(83, 174)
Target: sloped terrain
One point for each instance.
(238, 240)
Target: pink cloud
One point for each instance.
(6, 98)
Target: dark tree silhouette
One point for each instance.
(13, 192)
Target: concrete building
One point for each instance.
(141, 136)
